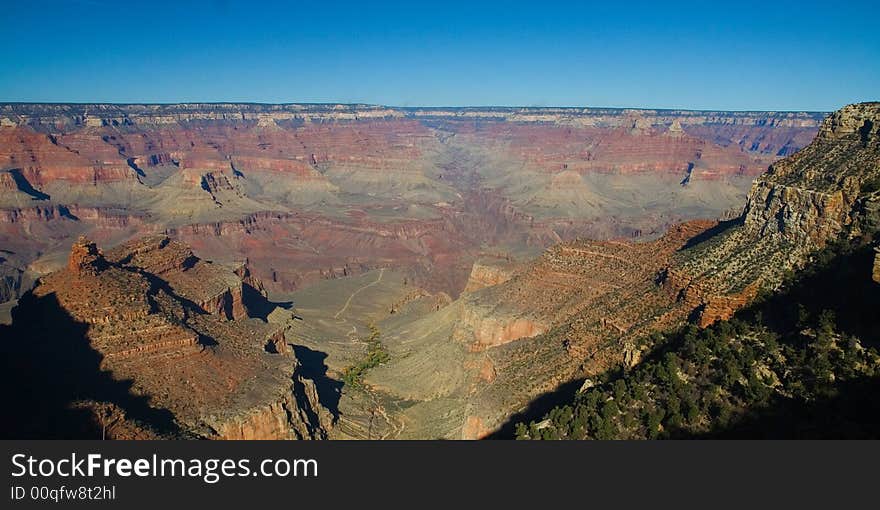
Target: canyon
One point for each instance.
(308, 192)
(501, 252)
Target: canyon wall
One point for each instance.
(310, 192)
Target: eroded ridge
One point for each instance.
(174, 331)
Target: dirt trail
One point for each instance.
(353, 294)
(396, 428)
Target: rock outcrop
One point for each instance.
(85, 258)
(801, 203)
(175, 327)
(486, 274)
(214, 289)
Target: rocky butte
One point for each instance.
(148, 340)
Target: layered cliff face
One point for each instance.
(811, 196)
(590, 303)
(801, 203)
(814, 194)
(421, 189)
(162, 338)
(487, 273)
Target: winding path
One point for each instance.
(353, 294)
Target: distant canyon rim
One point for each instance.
(310, 192)
(360, 217)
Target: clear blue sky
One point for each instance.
(772, 55)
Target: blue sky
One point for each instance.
(710, 55)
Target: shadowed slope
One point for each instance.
(50, 368)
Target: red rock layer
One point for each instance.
(606, 283)
(78, 159)
(702, 297)
(628, 150)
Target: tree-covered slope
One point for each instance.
(799, 363)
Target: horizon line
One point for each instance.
(417, 107)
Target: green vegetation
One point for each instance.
(798, 363)
(376, 354)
